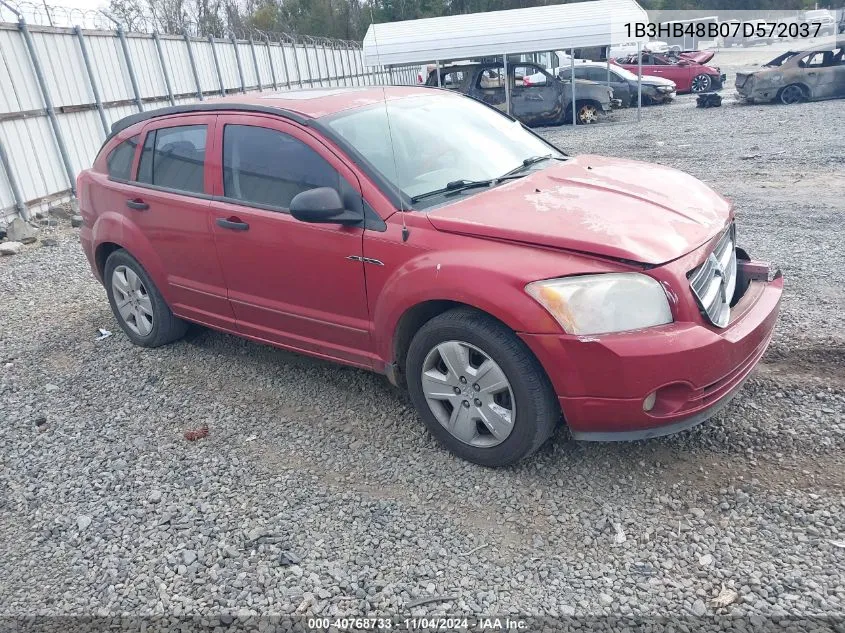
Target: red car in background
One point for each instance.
(688, 74)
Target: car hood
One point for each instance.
(651, 80)
(702, 57)
(609, 207)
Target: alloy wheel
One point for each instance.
(588, 114)
(700, 83)
(468, 393)
(133, 302)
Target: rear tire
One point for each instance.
(137, 304)
(793, 93)
(483, 383)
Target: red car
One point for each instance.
(505, 283)
(688, 74)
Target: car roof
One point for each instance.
(300, 105)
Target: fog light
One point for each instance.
(648, 403)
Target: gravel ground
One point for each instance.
(317, 491)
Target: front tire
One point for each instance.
(479, 389)
(137, 304)
(701, 83)
(586, 112)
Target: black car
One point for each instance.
(537, 98)
(623, 82)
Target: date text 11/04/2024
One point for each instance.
(712, 30)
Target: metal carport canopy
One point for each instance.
(547, 28)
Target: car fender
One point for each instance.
(112, 227)
(465, 276)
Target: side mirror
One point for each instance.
(322, 205)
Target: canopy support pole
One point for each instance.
(506, 79)
(572, 79)
(639, 81)
(437, 63)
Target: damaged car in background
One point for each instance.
(624, 83)
(806, 75)
(537, 98)
(688, 75)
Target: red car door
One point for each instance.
(169, 200)
(659, 66)
(292, 283)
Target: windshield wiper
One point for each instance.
(530, 161)
(457, 186)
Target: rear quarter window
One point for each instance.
(119, 160)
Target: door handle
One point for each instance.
(233, 224)
(137, 204)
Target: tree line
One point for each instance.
(349, 19)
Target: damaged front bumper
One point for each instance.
(660, 380)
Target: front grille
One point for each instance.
(714, 282)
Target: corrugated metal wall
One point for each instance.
(32, 146)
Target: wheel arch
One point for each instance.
(805, 89)
(113, 232)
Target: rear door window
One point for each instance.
(119, 161)
(490, 79)
(268, 168)
(174, 158)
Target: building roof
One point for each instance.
(474, 35)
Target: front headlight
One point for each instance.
(600, 304)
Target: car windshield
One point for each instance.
(437, 139)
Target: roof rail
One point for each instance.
(132, 119)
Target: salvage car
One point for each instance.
(624, 83)
(543, 101)
(426, 236)
(688, 75)
(807, 75)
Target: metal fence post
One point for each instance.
(326, 59)
(308, 65)
(272, 65)
(296, 61)
(217, 66)
(316, 61)
(132, 78)
(255, 63)
(285, 63)
(193, 63)
(91, 78)
(238, 59)
(353, 73)
(48, 104)
(163, 64)
(13, 183)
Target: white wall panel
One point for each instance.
(30, 141)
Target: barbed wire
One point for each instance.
(44, 14)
